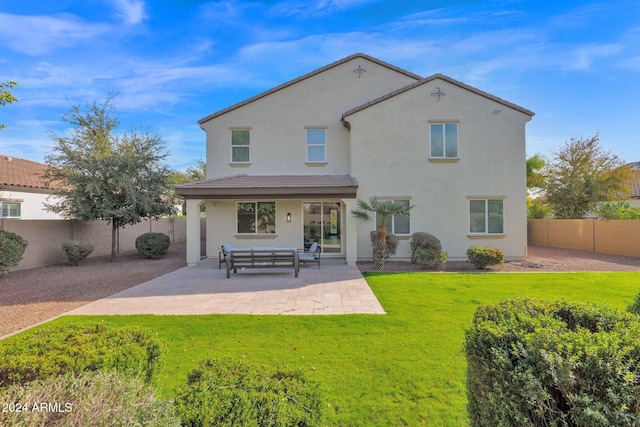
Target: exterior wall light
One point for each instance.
(289, 217)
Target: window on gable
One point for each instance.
(444, 140)
(486, 216)
(10, 210)
(256, 217)
(240, 146)
(316, 145)
(397, 224)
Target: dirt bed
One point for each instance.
(28, 297)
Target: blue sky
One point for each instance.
(576, 64)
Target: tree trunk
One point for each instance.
(379, 248)
(114, 229)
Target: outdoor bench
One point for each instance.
(262, 258)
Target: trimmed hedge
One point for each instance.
(423, 240)
(532, 363)
(12, 248)
(153, 245)
(90, 399)
(53, 351)
(231, 393)
(431, 259)
(482, 257)
(77, 251)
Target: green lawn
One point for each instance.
(403, 368)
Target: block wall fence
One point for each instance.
(45, 237)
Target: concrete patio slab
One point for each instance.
(335, 288)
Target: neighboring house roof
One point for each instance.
(306, 76)
(269, 186)
(635, 183)
(21, 173)
(446, 79)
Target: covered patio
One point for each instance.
(334, 288)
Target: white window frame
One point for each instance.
(391, 224)
(248, 146)
(323, 145)
(443, 124)
(486, 201)
(257, 229)
(3, 205)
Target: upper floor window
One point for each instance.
(444, 140)
(10, 209)
(240, 146)
(397, 224)
(486, 216)
(316, 145)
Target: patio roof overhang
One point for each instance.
(271, 187)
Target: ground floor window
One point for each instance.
(10, 209)
(322, 225)
(486, 216)
(256, 217)
(397, 224)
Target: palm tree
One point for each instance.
(382, 209)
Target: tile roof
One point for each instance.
(280, 186)
(446, 79)
(306, 76)
(635, 183)
(15, 172)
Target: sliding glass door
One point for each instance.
(322, 224)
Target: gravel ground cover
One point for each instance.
(29, 297)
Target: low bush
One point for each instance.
(12, 248)
(391, 240)
(90, 399)
(634, 307)
(77, 251)
(482, 257)
(431, 259)
(422, 240)
(531, 363)
(153, 245)
(53, 351)
(230, 393)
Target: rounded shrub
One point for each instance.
(533, 363)
(12, 248)
(77, 251)
(89, 399)
(153, 245)
(482, 257)
(231, 393)
(634, 307)
(423, 240)
(431, 259)
(52, 351)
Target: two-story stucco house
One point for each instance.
(286, 167)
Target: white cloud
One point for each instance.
(132, 11)
(36, 34)
(312, 8)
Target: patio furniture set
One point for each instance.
(266, 257)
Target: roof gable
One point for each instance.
(307, 76)
(443, 78)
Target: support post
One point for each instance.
(351, 232)
(193, 232)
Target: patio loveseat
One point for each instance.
(261, 258)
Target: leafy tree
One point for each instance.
(383, 209)
(618, 210)
(535, 165)
(581, 175)
(6, 97)
(197, 172)
(118, 179)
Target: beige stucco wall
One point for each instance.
(618, 237)
(278, 121)
(45, 237)
(390, 152)
(32, 206)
